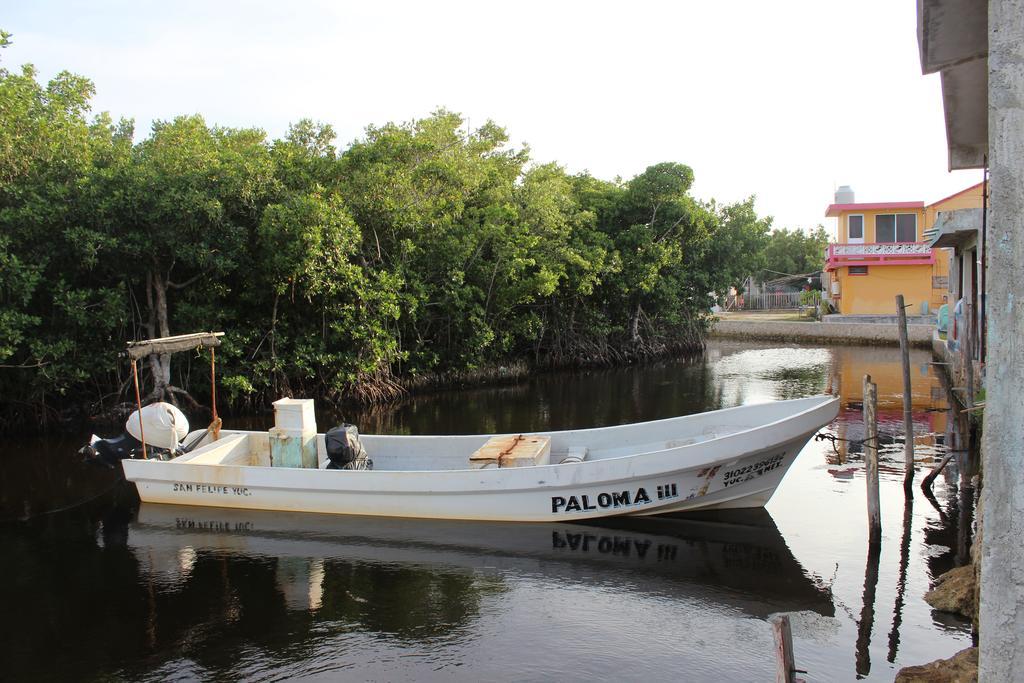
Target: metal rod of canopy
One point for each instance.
(215, 425)
(138, 401)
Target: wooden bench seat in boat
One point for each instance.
(512, 451)
(229, 450)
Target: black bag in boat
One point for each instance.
(344, 449)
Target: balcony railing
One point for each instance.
(878, 254)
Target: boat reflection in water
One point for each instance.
(738, 558)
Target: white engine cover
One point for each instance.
(165, 426)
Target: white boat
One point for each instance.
(732, 458)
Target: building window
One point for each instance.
(858, 270)
(896, 227)
(855, 228)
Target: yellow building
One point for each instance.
(881, 252)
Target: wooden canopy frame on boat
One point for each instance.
(181, 342)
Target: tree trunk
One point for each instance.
(634, 323)
(159, 364)
(273, 345)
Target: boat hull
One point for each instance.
(738, 471)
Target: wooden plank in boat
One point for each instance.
(512, 451)
(231, 450)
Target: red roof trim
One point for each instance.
(834, 210)
(956, 194)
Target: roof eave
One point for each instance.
(834, 210)
(951, 32)
(954, 228)
(952, 38)
(965, 101)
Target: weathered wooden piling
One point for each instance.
(871, 459)
(785, 670)
(926, 485)
(908, 418)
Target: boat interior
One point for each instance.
(460, 452)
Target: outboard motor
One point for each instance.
(110, 451)
(344, 449)
(164, 426)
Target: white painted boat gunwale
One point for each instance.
(526, 472)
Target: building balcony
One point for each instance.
(879, 254)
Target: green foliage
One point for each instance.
(237, 387)
(18, 281)
(424, 247)
(58, 314)
(737, 246)
(810, 297)
(656, 228)
(795, 252)
(473, 239)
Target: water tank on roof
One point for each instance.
(844, 195)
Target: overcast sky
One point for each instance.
(783, 100)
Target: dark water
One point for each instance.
(108, 591)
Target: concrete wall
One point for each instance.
(1002, 557)
(827, 333)
(956, 368)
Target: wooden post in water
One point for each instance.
(908, 419)
(785, 671)
(926, 485)
(871, 460)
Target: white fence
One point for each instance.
(769, 301)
